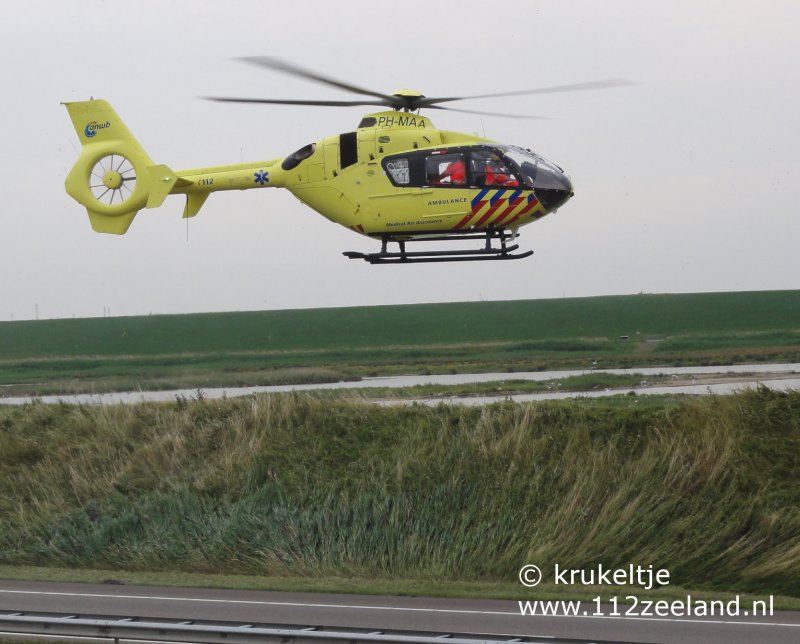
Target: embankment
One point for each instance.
(306, 485)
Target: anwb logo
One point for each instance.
(91, 128)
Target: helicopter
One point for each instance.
(396, 178)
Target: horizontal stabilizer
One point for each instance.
(161, 181)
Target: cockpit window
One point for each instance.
(294, 159)
(531, 166)
(515, 151)
(490, 169)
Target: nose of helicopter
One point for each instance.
(553, 188)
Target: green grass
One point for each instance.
(320, 345)
(581, 322)
(305, 486)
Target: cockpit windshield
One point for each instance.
(537, 171)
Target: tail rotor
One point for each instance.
(112, 180)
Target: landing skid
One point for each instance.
(403, 256)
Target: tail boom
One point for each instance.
(114, 177)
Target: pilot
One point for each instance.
(497, 175)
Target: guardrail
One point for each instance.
(158, 630)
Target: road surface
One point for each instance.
(499, 617)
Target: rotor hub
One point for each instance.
(112, 180)
(409, 98)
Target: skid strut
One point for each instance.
(402, 256)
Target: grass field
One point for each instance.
(305, 486)
(322, 345)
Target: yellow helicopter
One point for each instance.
(395, 178)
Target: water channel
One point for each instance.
(776, 376)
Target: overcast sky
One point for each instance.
(687, 182)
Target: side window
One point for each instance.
(398, 171)
(489, 169)
(405, 170)
(446, 170)
(293, 160)
(348, 149)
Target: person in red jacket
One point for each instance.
(497, 175)
(455, 174)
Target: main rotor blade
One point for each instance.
(294, 70)
(504, 115)
(272, 101)
(603, 84)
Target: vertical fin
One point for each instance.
(194, 201)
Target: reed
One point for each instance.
(307, 485)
